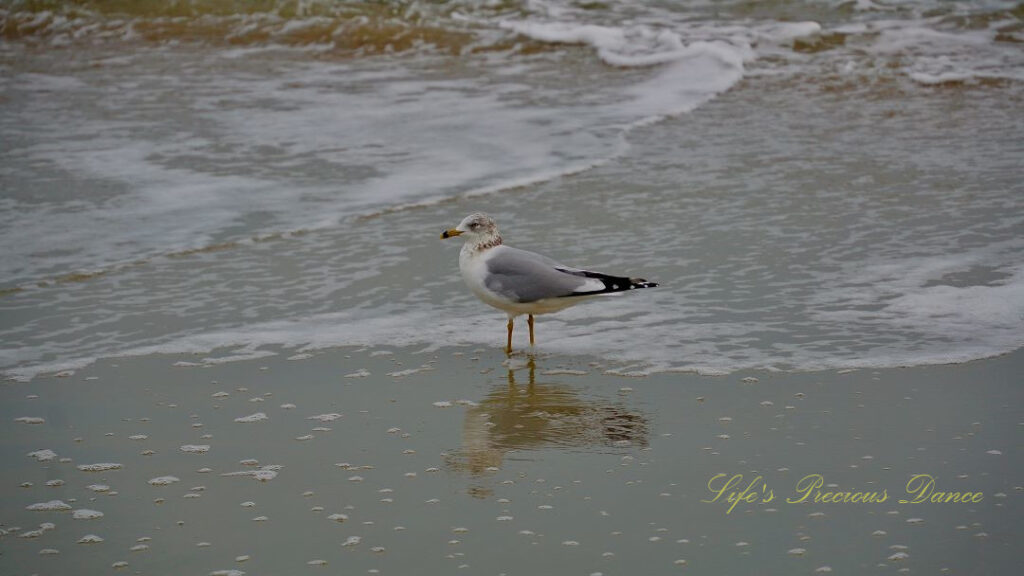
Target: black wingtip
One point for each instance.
(611, 283)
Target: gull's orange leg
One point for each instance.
(508, 349)
(529, 320)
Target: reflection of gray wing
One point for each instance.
(523, 276)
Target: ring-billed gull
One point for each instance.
(520, 282)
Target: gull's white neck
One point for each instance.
(482, 244)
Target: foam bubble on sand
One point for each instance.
(263, 474)
(252, 418)
(361, 373)
(44, 455)
(86, 514)
(43, 528)
(164, 480)
(51, 506)
(90, 539)
(195, 448)
(99, 467)
(410, 371)
(325, 417)
(30, 420)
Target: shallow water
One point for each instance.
(815, 185)
(394, 462)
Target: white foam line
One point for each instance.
(246, 342)
(565, 336)
(506, 185)
(687, 82)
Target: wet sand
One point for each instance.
(396, 461)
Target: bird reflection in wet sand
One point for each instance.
(541, 416)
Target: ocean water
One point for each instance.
(816, 184)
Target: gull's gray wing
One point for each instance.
(523, 276)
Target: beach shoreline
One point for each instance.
(429, 460)
(232, 342)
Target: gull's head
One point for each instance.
(479, 229)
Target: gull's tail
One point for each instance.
(609, 284)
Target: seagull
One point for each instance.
(521, 282)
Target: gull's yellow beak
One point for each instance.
(450, 233)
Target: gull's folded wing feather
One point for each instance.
(523, 276)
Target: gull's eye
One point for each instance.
(474, 225)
